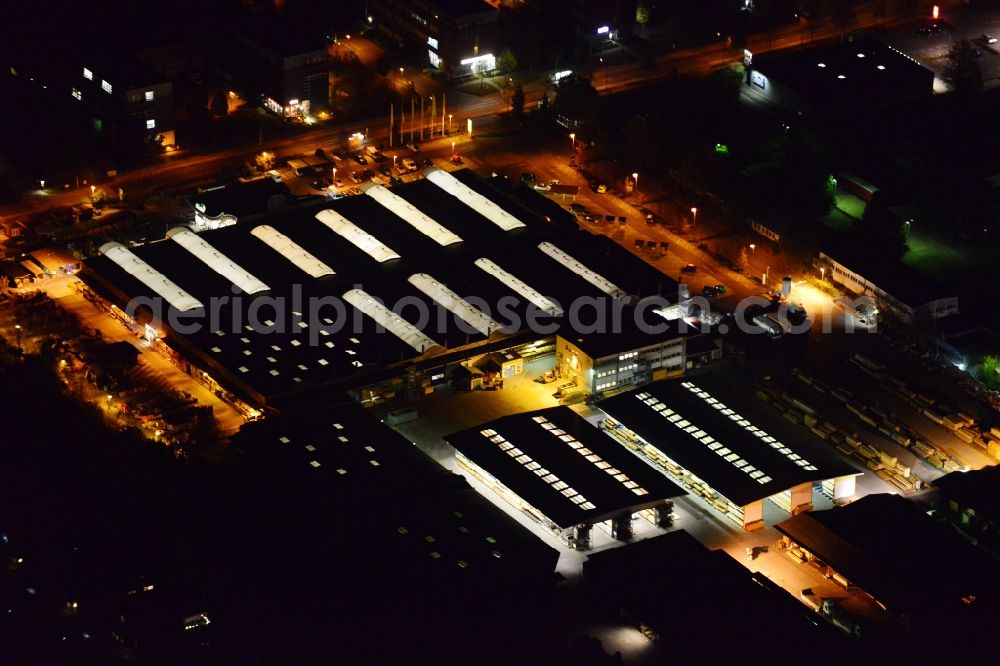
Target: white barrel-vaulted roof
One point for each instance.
(516, 284)
(472, 199)
(149, 276)
(389, 320)
(215, 260)
(411, 214)
(292, 251)
(575, 265)
(454, 303)
(357, 236)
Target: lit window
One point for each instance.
(76, 94)
(151, 123)
(149, 95)
(87, 74)
(105, 86)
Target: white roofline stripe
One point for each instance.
(215, 260)
(292, 251)
(149, 276)
(576, 266)
(454, 303)
(472, 199)
(357, 236)
(390, 321)
(411, 214)
(521, 287)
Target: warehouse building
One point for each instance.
(555, 467)
(838, 79)
(718, 454)
(684, 596)
(401, 283)
(360, 532)
(911, 565)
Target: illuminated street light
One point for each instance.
(449, 123)
(752, 247)
(635, 180)
(694, 216)
(93, 189)
(572, 137)
(17, 327)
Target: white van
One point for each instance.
(274, 175)
(408, 164)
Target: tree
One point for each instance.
(481, 70)
(506, 62)
(881, 232)
(963, 70)
(989, 373)
(220, 105)
(517, 102)
(265, 160)
(642, 12)
(577, 99)
(805, 180)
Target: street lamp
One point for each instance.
(93, 189)
(572, 138)
(334, 176)
(752, 247)
(635, 181)
(822, 272)
(452, 148)
(694, 216)
(17, 327)
(449, 123)
(401, 71)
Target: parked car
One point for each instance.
(305, 171)
(689, 268)
(414, 147)
(408, 164)
(457, 159)
(318, 185)
(601, 188)
(385, 171)
(527, 177)
(578, 208)
(360, 159)
(542, 187)
(426, 162)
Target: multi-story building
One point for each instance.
(459, 35)
(283, 68)
(130, 103)
(606, 362)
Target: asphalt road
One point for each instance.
(182, 170)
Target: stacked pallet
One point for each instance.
(885, 466)
(960, 424)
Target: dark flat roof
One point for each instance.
(872, 72)
(740, 463)
(538, 435)
(241, 199)
(978, 490)
(638, 328)
(692, 596)
(344, 450)
(892, 549)
(908, 284)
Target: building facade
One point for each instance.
(284, 70)
(130, 104)
(458, 35)
(909, 310)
